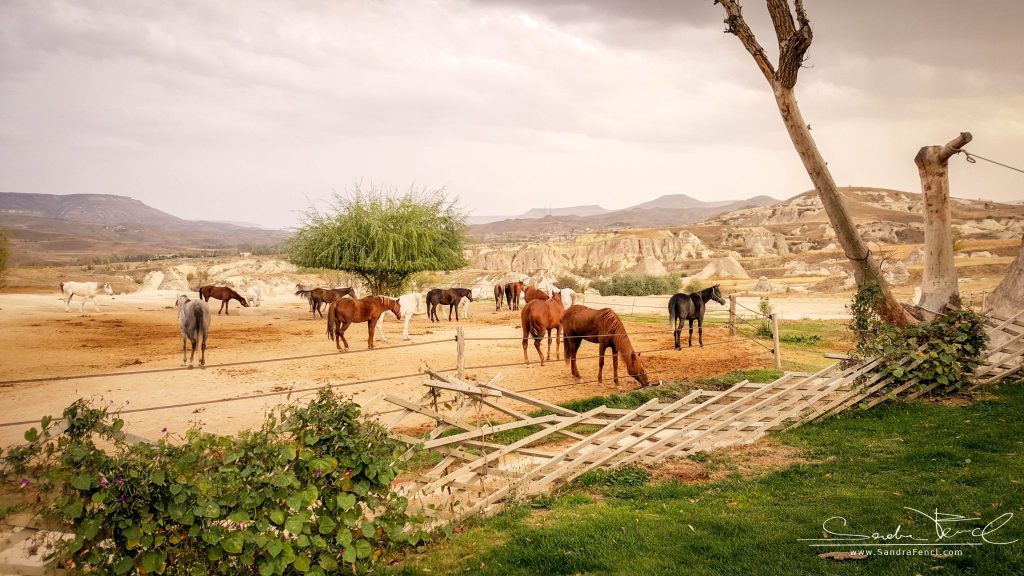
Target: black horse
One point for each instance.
(690, 307)
(449, 297)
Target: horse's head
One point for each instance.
(636, 369)
(181, 301)
(469, 295)
(109, 291)
(716, 295)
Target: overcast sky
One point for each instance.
(249, 110)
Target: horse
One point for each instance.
(194, 318)
(464, 303)
(682, 307)
(254, 295)
(531, 293)
(449, 297)
(411, 305)
(317, 297)
(224, 294)
(344, 312)
(499, 292)
(604, 328)
(537, 317)
(512, 291)
(87, 290)
(568, 296)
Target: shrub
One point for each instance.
(646, 285)
(954, 342)
(306, 493)
(568, 282)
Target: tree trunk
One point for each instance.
(865, 269)
(939, 284)
(1008, 298)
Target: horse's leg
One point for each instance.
(526, 344)
(405, 330)
(677, 332)
(202, 357)
(700, 331)
(572, 360)
(456, 306)
(690, 341)
(184, 351)
(536, 344)
(371, 325)
(194, 339)
(615, 366)
(344, 326)
(558, 343)
(600, 362)
(94, 304)
(380, 329)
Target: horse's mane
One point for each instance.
(608, 322)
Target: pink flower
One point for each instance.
(24, 482)
(103, 481)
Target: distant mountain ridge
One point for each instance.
(666, 210)
(55, 227)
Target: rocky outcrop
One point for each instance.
(722, 268)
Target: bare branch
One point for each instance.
(735, 24)
(954, 146)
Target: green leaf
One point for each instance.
(277, 516)
(118, 425)
(297, 523)
(327, 524)
(349, 556)
(274, 547)
(346, 501)
(234, 543)
(301, 563)
(207, 510)
(363, 548)
(31, 435)
(368, 529)
(344, 537)
(74, 509)
(152, 561)
(239, 516)
(82, 482)
(157, 477)
(123, 565)
(266, 568)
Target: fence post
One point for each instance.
(775, 340)
(460, 347)
(732, 314)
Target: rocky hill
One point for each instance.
(666, 211)
(49, 228)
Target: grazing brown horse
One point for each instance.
(222, 293)
(512, 292)
(531, 293)
(345, 311)
(450, 297)
(499, 292)
(537, 317)
(604, 328)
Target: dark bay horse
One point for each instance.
(531, 293)
(449, 297)
(691, 307)
(604, 328)
(499, 293)
(345, 311)
(512, 292)
(539, 316)
(224, 294)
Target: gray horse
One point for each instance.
(194, 316)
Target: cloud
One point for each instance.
(242, 111)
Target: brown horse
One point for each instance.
(499, 292)
(512, 292)
(450, 297)
(222, 293)
(345, 311)
(537, 317)
(604, 328)
(317, 297)
(531, 293)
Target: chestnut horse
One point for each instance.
(224, 294)
(512, 292)
(345, 311)
(530, 294)
(317, 297)
(499, 293)
(537, 317)
(605, 329)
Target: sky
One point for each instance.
(254, 110)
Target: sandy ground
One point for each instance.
(139, 332)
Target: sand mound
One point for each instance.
(726, 267)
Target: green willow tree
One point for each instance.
(383, 237)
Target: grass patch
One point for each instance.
(868, 467)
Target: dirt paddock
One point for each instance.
(139, 333)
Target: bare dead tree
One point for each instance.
(794, 36)
(939, 284)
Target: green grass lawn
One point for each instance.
(865, 466)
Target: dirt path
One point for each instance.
(139, 333)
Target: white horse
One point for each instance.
(568, 296)
(410, 305)
(87, 290)
(194, 318)
(254, 295)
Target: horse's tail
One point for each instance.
(672, 312)
(61, 287)
(530, 325)
(197, 312)
(331, 324)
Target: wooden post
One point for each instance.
(460, 346)
(732, 315)
(775, 340)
